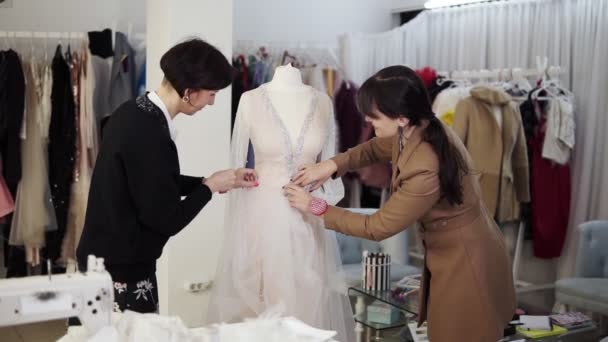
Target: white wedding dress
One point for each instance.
(272, 255)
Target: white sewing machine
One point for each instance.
(88, 296)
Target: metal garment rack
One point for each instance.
(542, 71)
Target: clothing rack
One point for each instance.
(8, 35)
(309, 52)
(503, 74)
(541, 72)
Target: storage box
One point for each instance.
(382, 313)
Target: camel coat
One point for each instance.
(499, 153)
(467, 293)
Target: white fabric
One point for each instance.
(447, 100)
(497, 115)
(272, 255)
(135, 327)
(153, 96)
(313, 76)
(559, 137)
(508, 34)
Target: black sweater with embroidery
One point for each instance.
(135, 202)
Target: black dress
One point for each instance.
(12, 102)
(61, 150)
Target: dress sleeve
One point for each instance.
(333, 190)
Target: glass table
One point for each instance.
(408, 310)
(362, 299)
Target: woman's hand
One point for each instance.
(224, 181)
(315, 175)
(246, 178)
(298, 198)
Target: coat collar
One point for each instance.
(409, 146)
(146, 105)
(489, 95)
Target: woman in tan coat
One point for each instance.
(467, 292)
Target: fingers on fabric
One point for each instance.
(301, 177)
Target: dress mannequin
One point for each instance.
(290, 97)
(274, 259)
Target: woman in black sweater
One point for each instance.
(135, 203)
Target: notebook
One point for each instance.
(557, 330)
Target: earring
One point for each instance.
(400, 139)
(186, 99)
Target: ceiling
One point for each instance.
(407, 5)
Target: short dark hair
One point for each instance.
(398, 91)
(196, 64)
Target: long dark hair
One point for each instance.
(397, 91)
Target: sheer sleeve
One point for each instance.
(333, 190)
(227, 282)
(240, 135)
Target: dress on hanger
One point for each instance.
(550, 184)
(86, 152)
(12, 100)
(62, 146)
(7, 204)
(272, 255)
(34, 214)
(122, 81)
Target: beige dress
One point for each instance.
(34, 214)
(86, 152)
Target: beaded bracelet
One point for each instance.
(318, 206)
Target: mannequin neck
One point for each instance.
(286, 78)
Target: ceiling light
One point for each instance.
(446, 3)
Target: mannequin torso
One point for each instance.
(291, 98)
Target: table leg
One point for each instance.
(359, 309)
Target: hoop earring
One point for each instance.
(186, 99)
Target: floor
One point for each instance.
(39, 332)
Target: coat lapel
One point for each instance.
(409, 146)
(507, 128)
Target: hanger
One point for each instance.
(113, 34)
(288, 58)
(519, 83)
(46, 47)
(32, 45)
(541, 67)
(68, 52)
(129, 31)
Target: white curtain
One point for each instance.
(571, 33)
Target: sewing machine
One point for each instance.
(88, 296)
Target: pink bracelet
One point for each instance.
(318, 206)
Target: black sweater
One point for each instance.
(135, 202)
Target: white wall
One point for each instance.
(203, 144)
(72, 15)
(309, 21)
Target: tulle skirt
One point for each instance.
(274, 257)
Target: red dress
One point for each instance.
(550, 185)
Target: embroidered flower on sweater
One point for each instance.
(143, 287)
(120, 287)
